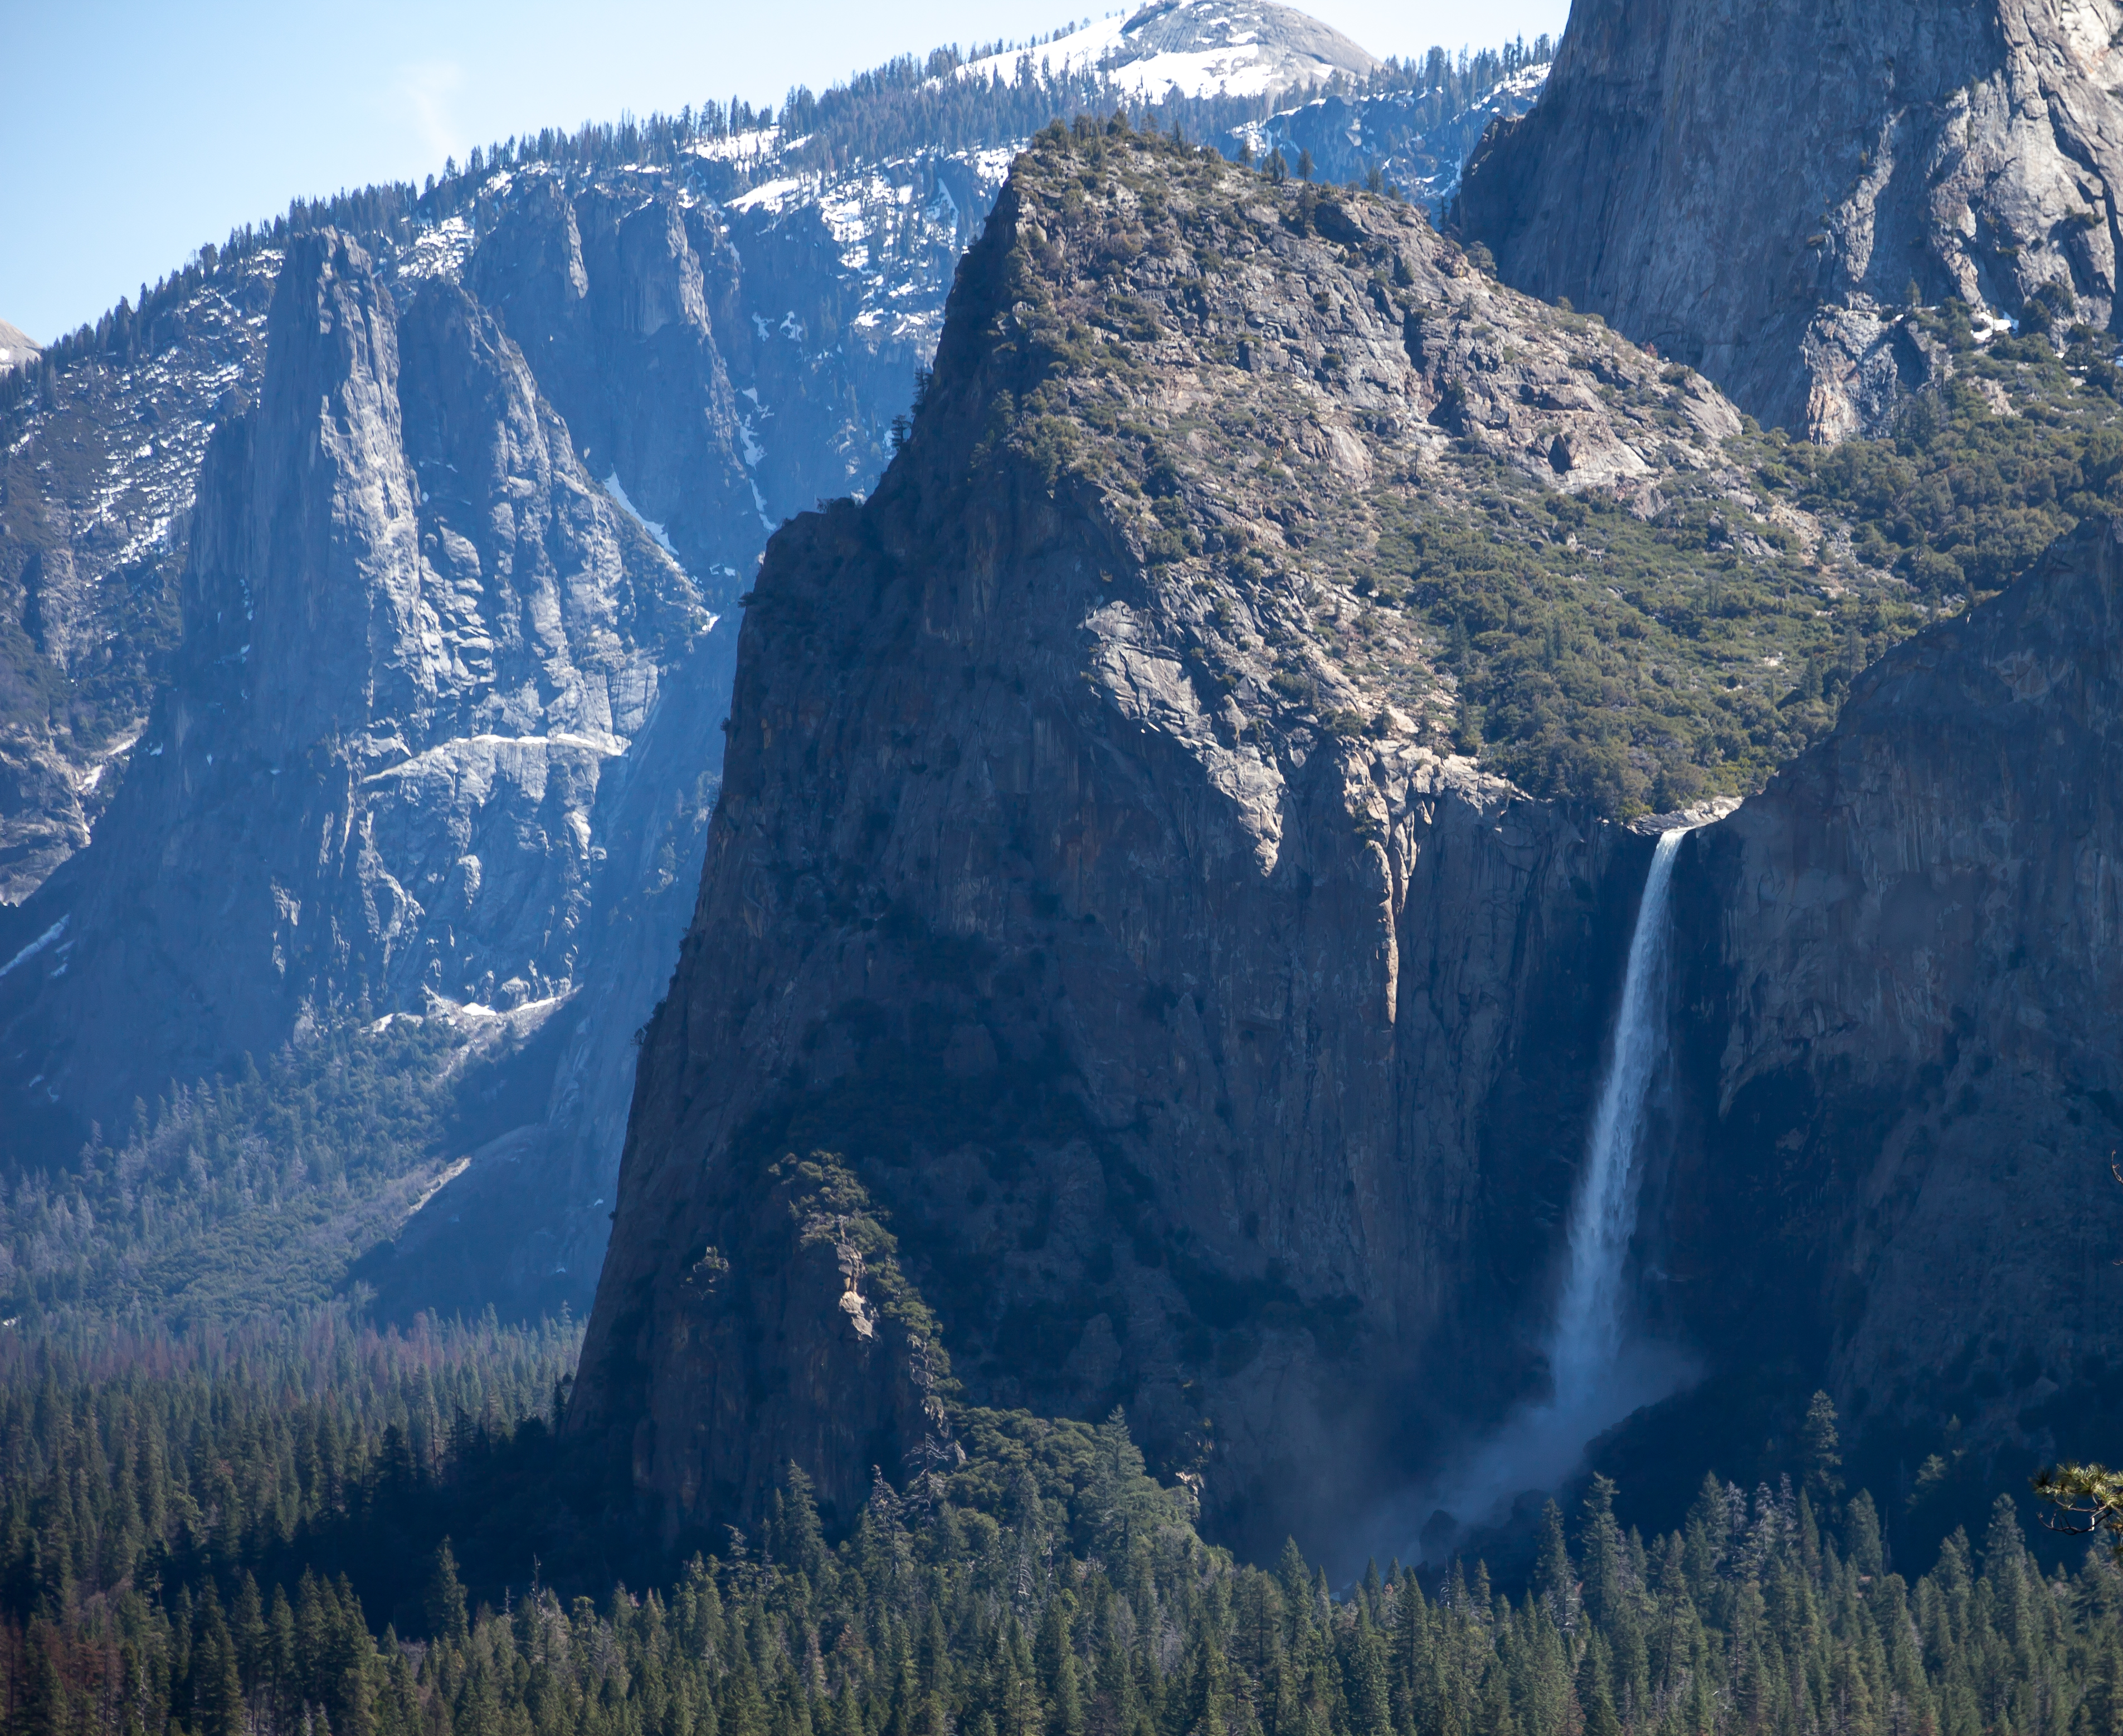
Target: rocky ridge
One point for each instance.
(1392, 135)
(838, 277)
(828, 293)
(1107, 984)
(1769, 230)
(713, 337)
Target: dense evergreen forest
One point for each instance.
(248, 1195)
(319, 1527)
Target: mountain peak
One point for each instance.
(1106, 549)
(1196, 47)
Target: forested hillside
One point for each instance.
(328, 1529)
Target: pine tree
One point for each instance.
(443, 1602)
(46, 1708)
(1554, 1576)
(1594, 1693)
(1056, 1657)
(1365, 1679)
(1821, 1449)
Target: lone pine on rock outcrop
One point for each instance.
(1109, 984)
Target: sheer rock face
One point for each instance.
(397, 761)
(1754, 189)
(726, 365)
(1202, 1054)
(578, 283)
(1909, 994)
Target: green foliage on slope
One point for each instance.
(234, 1197)
(1625, 648)
(1635, 662)
(1984, 471)
(1622, 661)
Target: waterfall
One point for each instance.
(1586, 1344)
(1599, 1375)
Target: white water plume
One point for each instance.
(1599, 1375)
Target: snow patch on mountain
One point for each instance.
(1191, 48)
(613, 487)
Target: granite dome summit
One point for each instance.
(1196, 47)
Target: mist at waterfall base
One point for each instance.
(1601, 1371)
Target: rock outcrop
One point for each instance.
(17, 348)
(1905, 1088)
(1085, 889)
(1756, 190)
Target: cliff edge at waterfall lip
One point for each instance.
(1602, 1366)
(1693, 817)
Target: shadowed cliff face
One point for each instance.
(1908, 1080)
(95, 499)
(1755, 189)
(1208, 1043)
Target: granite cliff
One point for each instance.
(1110, 985)
(1901, 1090)
(1107, 984)
(1757, 190)
(419, 644)
(1120, 972)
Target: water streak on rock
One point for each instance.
(1589, 1323)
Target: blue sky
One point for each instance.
(133, 132)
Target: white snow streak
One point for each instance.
(37, 945)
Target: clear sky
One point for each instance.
(132, 130)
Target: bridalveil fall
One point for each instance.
(1599, 1374)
